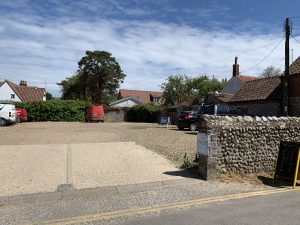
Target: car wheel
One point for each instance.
(180, 128)
(3, 122)
(193, 127)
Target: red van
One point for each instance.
(21, 115)
(95, 113)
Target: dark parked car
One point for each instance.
(188, 118)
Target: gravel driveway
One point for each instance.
(171, 143)
(37, 157)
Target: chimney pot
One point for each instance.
(23, 83)
(235, 68)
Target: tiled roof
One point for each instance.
(244, 78)
(137, 100)
(144, 96)
(1, 83)
(213, 97)
(259, 89)
(295, 66)
(27, 93)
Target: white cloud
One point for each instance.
(147, 51)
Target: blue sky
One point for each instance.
(41, 41)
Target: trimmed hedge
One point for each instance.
(55, 110)
(75, 110)
(143, 113)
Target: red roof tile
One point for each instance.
(144, 96)
(244, 78)
(27, 93)
(259, 89)
(295, 66)
(213, 97)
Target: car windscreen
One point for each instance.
(183, 113)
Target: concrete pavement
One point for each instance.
(89, 205)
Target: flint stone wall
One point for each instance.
(245, 144)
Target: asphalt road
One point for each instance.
(280, 208)
(168, 202)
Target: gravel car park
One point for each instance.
(42, 156)
(171, 143)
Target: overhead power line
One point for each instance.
(244, 52)
(264, 58)
(295, 39)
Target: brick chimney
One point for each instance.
(23, 83)
(235, 68)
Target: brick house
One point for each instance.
(129, 98)
(237, 80)
(21, 93)
(235, 84)
(262, 96)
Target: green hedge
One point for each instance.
(55, 110)
(143, 113)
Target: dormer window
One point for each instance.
(155, 100)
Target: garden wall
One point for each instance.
(116, 115)
(244, 144)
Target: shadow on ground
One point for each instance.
(269, 181)
(188, 173)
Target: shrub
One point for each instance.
(143, 113)
(55, 110)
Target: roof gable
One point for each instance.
(144, 96)
(295, 67)
(27, 93)
(136, 100)
(259, 89)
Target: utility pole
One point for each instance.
(285, 78)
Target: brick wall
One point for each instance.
(294, 106)
(260, 108)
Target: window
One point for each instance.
(12, 96)
(156, 100)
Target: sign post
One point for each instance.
(297, 173)
(203, 143)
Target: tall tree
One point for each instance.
(175, 90)
(99, 75)
(181, 89)
(49, 96)
(271, 71)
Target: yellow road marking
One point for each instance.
(158, 208)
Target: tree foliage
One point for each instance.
(184, 90)
(49, 96)
(98, 76)
(55, 110)
(271, 71)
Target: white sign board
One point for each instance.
(203, 144)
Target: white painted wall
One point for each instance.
(5, 93)
(233, 86)
(126, 103)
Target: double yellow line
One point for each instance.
(159, 208)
